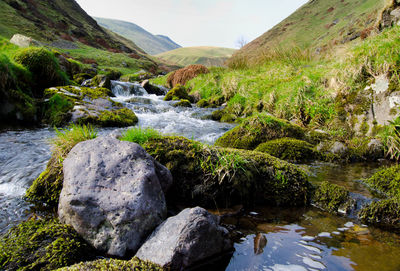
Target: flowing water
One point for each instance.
(265, 238)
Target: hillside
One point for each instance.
(320, 24)
(64, 25)
(205, 55)
(151, 44)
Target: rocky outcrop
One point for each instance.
(183, 240)
(24, 41)
(113, 194)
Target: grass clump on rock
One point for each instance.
(140, 135)
(134, 264)
(43, 66)
(258, 129)
(209, 176)
(46, 189)
(289, 149)
(40, 244)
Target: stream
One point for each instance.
(268, 239)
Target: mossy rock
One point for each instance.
(80, 77)
(203, 103)
(79, 93)
(383, 213)
(221, 177)
(40, 244)
(258, 129)
(228, 117)
(315, 137)
(134, 264)
(183, 103)
(44, 67)
(101, 80)
(57, 110)
(289, 149)
(177, 93)
(333, 198)
(217, 114)
(386, 181)
(45, 190)
(123, 117)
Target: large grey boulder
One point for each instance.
(183, 240)
(113, 194)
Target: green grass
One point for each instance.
(140, 135)
(205, 55)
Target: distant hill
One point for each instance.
(206, 55)
(320, 24)
(151, 44)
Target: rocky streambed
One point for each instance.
(294, 238)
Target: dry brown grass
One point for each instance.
(186, 74)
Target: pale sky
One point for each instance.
(197, 22)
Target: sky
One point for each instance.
(198, 22)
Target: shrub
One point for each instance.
(183, 75)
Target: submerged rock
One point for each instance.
(333, 198)
(113, 194)
(186, 239)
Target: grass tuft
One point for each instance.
(140, 135)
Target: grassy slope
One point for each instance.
(208, 56)
(319, 23)
(49, 21)
(152, 44)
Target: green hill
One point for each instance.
(320, 24)
(205, 55)
(151, 44)
(64, 25)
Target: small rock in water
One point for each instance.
(324, 234)
(349, 224)
(308, 238)
(313, 264)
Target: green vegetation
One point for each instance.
(183, 103)
(332, 198)
(151, 44)
(219, 177)
(134, 264)
(56, 110)
(289, 149)
(177, 93)
(123, 117)
(386, 181)
(259, 129)
(140, 135)
(40, 244)
(204, 55)
(391, 139)
(383, 213)
(78, 93)
(46, 189)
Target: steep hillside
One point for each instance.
(205, 55)
(151, 44)
(320, 24)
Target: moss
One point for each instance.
(39, 244)
(183, 103)
(134, 264)
(209, 176)
(332, 198)
(364, 128)
(384, 213)
(289, 149)
(177, 93)
(56, 110)
(316, 137)
(258, 129)
(80, 77)
(386, 181)
(123, 117)
(203, 103)
(136, 77)
(43, 66)
(227, 117)
(101, 80)
(81, 92)
(217, 114)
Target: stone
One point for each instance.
(151, 89)
(24, 41)
(186, 239)
(338, 148)
(113, 194)
(375, 149)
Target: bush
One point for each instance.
(186, 74)
(43, 66)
